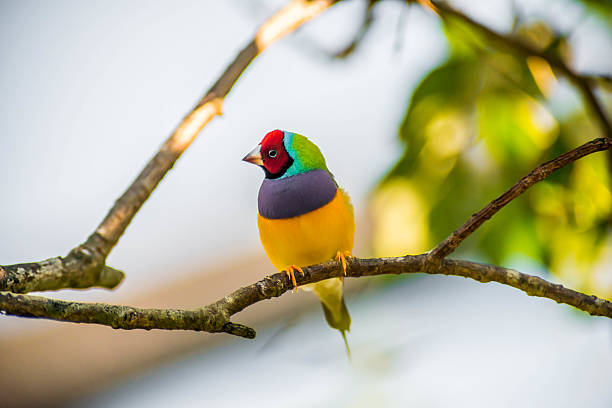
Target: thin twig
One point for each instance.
(539, 173)
(84, 266)
(215, 318)
(368, 18)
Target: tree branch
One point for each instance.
(215, 318)
(51, 274)
(368, 18)
(538, 174)
(208, 318)
(84, 266)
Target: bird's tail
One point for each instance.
(334, 307)
(348, 349)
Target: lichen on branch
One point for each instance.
(215, 318)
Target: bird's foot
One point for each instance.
(341, 257)
(290, 271)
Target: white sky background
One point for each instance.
(90, 89)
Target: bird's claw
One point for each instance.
(341, 257)
(290, 271)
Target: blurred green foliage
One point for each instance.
(474, 126)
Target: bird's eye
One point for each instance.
(272, 153)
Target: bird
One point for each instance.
(304, 217)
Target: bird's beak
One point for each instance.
(254, 156)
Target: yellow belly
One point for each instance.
(310, 238)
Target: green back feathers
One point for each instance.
(306, 155)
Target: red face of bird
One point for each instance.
(271, 154)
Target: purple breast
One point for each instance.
(296, 195)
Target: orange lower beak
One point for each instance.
(254, 156)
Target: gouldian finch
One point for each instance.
(304, 217)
